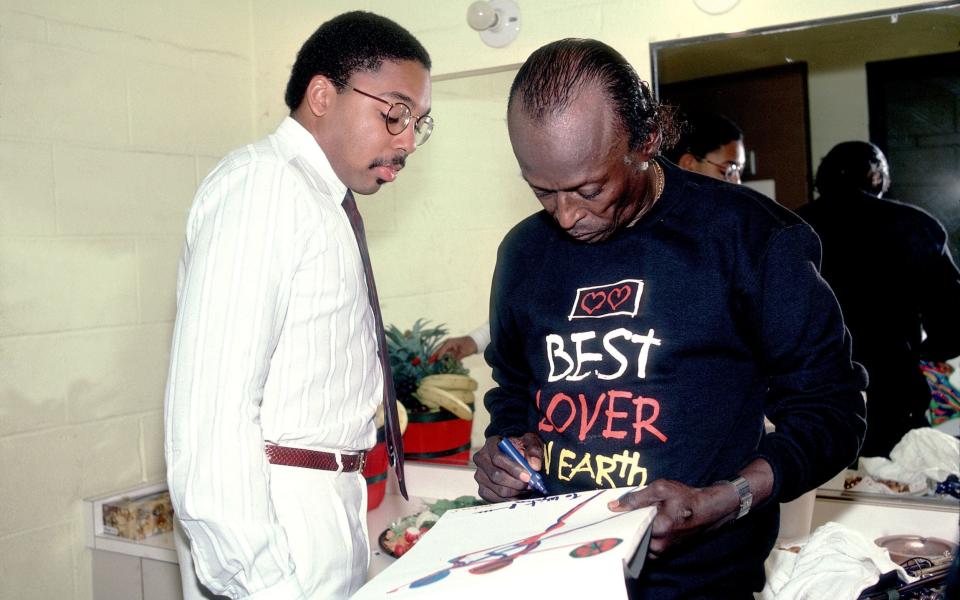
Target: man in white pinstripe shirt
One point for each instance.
(274, 373)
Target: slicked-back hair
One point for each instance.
(849, 166)
(351, 42)
(702, 133)
(555, 74)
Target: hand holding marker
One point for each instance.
(536, 480)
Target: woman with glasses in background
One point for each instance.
(711, 145)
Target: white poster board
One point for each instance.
(564, 545)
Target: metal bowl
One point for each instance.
(904, 547)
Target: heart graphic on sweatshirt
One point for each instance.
(592, 301)
(598, 301)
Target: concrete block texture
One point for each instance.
(113, 192)
(26, 189)
(59, 284)
(59, 93)
(115, 372)
(32, 388)
(39, 564)
(112, 111)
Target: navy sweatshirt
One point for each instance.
(656, 353)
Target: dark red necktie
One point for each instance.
(390, 418)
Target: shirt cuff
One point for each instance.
(481, 336)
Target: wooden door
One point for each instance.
(770, 106)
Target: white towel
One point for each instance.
(835, 562)
(921, 459)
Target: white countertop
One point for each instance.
(427, 482)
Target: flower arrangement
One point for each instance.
(413, 357)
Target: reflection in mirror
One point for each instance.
(892, 78)
(470, 180)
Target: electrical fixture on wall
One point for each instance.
(716, 7)
(498, 21)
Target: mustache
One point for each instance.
(399, 160)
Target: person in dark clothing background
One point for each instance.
(897, 284)
(644, 322)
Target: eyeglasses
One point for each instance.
(731, 170)
(399, 116)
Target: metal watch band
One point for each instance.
(746, 496)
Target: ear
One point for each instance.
(320, 95)
(687, 162)
(651, 145)
(647, 150)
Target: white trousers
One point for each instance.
(324, 515)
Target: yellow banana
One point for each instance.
(433, 395)
(449, 381)
(401, 416)
(425, 399)
(465, 396)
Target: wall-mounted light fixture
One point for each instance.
(498, 21)
(716, 7)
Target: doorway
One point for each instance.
(914, 106)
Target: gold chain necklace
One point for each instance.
(660, 180)
(658, 189)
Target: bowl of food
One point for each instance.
(404, 533)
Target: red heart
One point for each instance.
(599, 297)
(618, 296)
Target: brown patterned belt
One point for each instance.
(315, 459)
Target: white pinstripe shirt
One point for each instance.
(274, 340)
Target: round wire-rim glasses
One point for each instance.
(399, 116)
(730, 169)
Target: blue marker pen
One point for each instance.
(536, 480)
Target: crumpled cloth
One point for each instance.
(922, 457)
(834, 562)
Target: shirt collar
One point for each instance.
(295, 134)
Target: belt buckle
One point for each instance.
(363, 461)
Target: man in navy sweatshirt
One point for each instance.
(644, 323)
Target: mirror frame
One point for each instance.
(656, 47)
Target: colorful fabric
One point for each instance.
(944, 397)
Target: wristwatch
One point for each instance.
(746, 496)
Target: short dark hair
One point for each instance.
(850, 166)
(351, 42)
(553, 75)
(703, 132)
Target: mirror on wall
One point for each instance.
(892, 78)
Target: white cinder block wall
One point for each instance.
(110, 114)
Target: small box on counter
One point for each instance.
(138, 518)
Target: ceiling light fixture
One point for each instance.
(498, 21)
